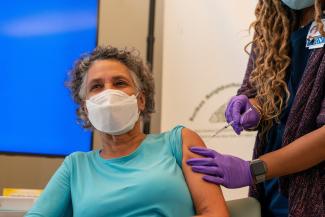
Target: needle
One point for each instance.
(229, 124)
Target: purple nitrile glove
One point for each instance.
(226, 170)
(235, 110)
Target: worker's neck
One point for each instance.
(306, 16)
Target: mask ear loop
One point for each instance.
(136, 96)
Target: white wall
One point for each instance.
(203, 65)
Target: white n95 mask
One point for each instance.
(298, 4)
(113, 111)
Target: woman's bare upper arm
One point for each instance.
(207, 197)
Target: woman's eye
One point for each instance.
(121, 83)
(95, 86)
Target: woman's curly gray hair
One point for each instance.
(139, 71)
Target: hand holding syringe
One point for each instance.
(229, 124)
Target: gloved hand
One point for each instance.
(236, 108)
(226, 170)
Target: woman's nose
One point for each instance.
(109, 85)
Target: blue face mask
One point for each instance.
(298, 4)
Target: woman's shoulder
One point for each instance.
(175, 130)
(180, 131)
(167, 134)
(82, 153)
(81, 156)
(173, 137)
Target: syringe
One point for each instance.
(229, 124)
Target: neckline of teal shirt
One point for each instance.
(123, 158)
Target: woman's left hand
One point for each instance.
(226, 170)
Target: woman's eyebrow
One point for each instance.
(114, 78)
(94, 81)
(121, 77)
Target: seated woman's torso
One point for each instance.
(148, 182)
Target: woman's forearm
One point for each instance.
(301, 154)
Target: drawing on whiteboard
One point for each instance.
(209, 114)
(217, 115)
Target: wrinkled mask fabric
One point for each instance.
(113, 111)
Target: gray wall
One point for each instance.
(121, 23)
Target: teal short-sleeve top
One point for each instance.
(147, 182)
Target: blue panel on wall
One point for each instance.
(39, 42)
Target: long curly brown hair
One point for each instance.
(272, 27)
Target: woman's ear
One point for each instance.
(141, 101)
(84, 108)
(83, 114)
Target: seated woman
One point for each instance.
(133, 174)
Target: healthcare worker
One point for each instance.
(284, 86)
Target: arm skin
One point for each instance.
(207, 197)
(301, 154)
